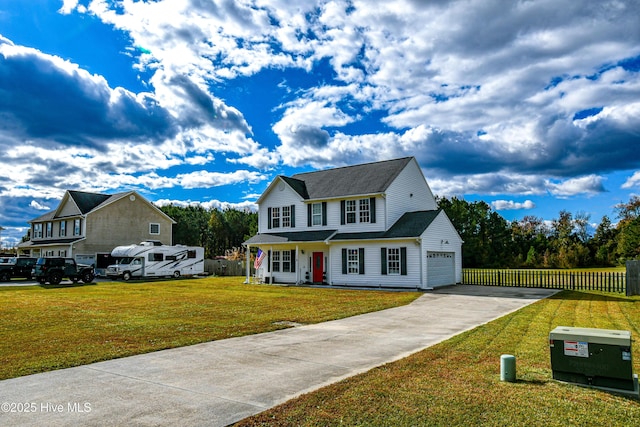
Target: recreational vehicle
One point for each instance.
(152, 259)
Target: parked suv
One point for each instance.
(16, 267)
(53, 270)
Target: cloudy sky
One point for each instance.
(532, 106)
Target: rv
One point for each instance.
(153, 259)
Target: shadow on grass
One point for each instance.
(592, 296)
(67, 285)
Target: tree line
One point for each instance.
(215, 230)
(490, 241)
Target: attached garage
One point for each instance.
(441, 270)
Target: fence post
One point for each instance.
(633, 277)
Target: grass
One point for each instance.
(53, 327)
(457, 382)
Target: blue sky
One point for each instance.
(531, 106)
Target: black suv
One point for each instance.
(53, 270)
(16, 267)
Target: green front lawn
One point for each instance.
(46, 328)
(457, 382)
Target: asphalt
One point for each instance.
(221, 382)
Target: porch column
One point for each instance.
(248, 260)
(297, 264)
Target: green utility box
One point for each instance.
(599, 358)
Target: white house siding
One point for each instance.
(408, 192)
(441, 237)
(282, 195)
(334, 217)
(373, 276)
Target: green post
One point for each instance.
(508, 368)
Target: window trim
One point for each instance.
(151, 226)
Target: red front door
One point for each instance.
(318, 267)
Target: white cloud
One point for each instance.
(38, 206)
(589, 185)
(211, 204)
(504, 205)
(632, 181)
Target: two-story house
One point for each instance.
(87, 226)
(371, 225)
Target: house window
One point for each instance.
(275, 260)
(351, 211)
(77, 229)
(353, 261)
(62, 253)
(393, 261)
(360, 210)
(275, 217)
(364, 210)
(286, 216)
(37, 231)
(316, 214)
(154, 228)
(49, 229)
(286, 261)
(48, 253)
(63, 229)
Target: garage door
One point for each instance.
(440, 269)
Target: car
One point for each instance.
(16, 267)
(53, 270)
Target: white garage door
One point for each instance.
(440, 269)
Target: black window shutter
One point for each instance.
(344, 261)
(361, 259)
(309, 220)
(403, 261)
(293, 216)
(342, 211)
(293, 260)
(383, 260)
(324, 213)
(269, 260)
(269, 218)
(372, 209)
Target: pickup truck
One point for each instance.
(53, 270)
(16, 267)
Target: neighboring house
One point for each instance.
(371, 225)
(87, 226)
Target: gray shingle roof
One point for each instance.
(411, 224)
(295, 236)
(86, 202)
(368, 178)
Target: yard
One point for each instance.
(457, 382)
(46, 328)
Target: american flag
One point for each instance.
(259, 257)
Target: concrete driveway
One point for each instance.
(221, 382)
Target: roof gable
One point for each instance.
(87, 202)
(368, 178)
